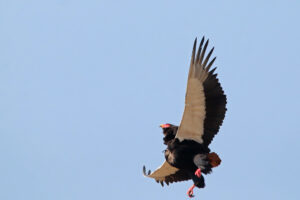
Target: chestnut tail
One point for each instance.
(214, 159)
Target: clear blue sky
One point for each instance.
(84, 86)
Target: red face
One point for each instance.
(165, 125)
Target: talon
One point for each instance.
(198, 173)
(190, 192)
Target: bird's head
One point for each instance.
(169, 131)
(168, 128)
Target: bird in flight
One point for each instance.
(187, 155)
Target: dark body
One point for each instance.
(181, 154)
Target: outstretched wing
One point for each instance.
(167, 173)
(205, 102)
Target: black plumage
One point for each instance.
(215, 105)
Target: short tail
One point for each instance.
(214, 159)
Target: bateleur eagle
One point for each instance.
(187, 154)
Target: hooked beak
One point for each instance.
(164, 125)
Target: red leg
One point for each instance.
(190, 192)
(198, 173)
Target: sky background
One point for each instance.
(84, 86)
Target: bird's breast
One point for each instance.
(181, 154)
